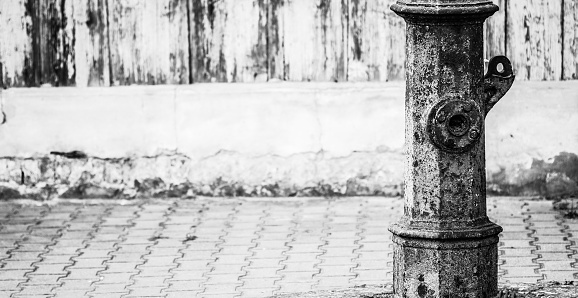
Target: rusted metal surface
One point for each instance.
(445, 244)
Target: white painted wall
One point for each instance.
(297, 134)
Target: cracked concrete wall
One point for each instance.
(277, 139)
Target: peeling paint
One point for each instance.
(554, 178)
(223, 174)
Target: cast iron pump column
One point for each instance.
(445, 245)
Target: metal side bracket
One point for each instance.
(497, 80)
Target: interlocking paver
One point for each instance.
(167, 248)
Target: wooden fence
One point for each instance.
(123, 42)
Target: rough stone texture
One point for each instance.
(225, 174)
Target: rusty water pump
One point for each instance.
(445, 245)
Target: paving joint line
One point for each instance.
(116, 246)
(29, 230)
(181, 251)
(219, 248)
(149, 251)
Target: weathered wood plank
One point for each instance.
(495, 32)
(315, 39)
(206, 36)
(245, 41)
(396, 44)
(148, 42)
(91, 43)
(570, 40)
(376, 41)
(534, 39)
(229, 40)
(54, 42)
(15, 44)
(275, 42)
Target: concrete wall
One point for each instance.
(276, 139)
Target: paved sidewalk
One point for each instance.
(228, 247)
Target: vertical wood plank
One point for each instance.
(534, 39)
(16, 44)
(207, 34)
(396, 27)
(315, 39)
(376, 41)
(229, 40)
(148, 42)
(91, 43)
(495, 32)
(275, 42)
(570, 40)
(55, 42)
(245, 41)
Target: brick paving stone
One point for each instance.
(227, 269)
(314, 242)
(213, 279)
(302, 257)
(197, 255)
(112, 278)
(257, 293)
(188, 275)
(191, 265)
(520, 280)
(188, 285)
(71, 294)
(522, 272)
(44, 279)
(36, 290)
(89, 263)
(333, 282)
(330, 271)
(83, 274)
(269, 282)
(260, 273)
(338, 251)
(560, 276)
(157, 261)
(554, 256)
(295, 287)
(69, 284)
(266, 254)
(548, 247)
(297, 276)
(182, 294)
(109, 288)
(21, 265)
(378, 274)
(515, 235)
(92, 254)
(334, 261)
(300, 267)
(155, 271)
(517, 252)
(10, 285)
(266, 263)
(146, 292)
(121, 267)
(565, 265)
(151, 281)
(304, 248)
(221, 288)
(519, 261)
(13, 274)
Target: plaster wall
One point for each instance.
(274, 139)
